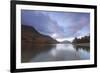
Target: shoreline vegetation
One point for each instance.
(83, 41)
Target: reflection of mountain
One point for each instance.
(32, 42)
(28, 52)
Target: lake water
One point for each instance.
(58, 52)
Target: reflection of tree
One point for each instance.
(77, 47)
(85, 39)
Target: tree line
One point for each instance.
(85, 39)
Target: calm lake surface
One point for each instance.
(61, 52)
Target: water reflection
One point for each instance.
(28, 53)
(58, 52)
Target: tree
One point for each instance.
(85, 39)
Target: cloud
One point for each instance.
(61, 24)
(78, 25)
(42, 22)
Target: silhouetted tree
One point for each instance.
(85, 39)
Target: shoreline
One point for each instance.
(82, 44)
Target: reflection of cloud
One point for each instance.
(57, 24)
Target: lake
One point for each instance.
(56, 52)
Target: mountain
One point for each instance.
(30, 34)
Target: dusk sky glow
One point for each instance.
(59, 25)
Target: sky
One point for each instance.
(58, 25)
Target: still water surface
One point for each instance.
(61, 52)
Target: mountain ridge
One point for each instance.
(31, 34)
